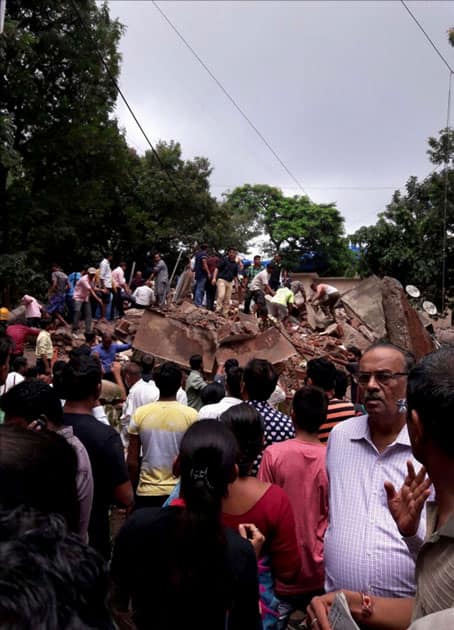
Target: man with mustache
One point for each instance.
(364, 551)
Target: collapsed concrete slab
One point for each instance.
(169, 339)
(403, 325)
(270, 345)
(364, 302)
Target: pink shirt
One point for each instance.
(118, 276)
(82, 289)
(300, 469)
(31, 306)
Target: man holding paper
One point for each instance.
(430, 399)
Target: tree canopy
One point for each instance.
(295, 226)
(70, 187)
(407, 240)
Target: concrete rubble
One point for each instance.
(374, 309)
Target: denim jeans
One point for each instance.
(199, 291)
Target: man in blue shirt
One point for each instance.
(107, 351)
(201, 274)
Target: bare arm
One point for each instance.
(133, 459)
(95, 296)
(205, 267)
(124, 495)
(386, 613)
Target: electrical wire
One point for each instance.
(230, 97)
(124, 99)
(446, 169)
(427, 36)
(358, 188)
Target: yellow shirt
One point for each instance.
(160, 426)
(44, 345)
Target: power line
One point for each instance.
(427, 36)
(230, 97)
(124, 99)
(359, 188)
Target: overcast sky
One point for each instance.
(347, 93)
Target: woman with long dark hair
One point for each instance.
(178, 566)
(267, 506)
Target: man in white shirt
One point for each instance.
(233, 383)
(257, 289)
(16, 376)
(105, 272)
(143, 296)
(325, 295)
(121, 287)
(140, 393)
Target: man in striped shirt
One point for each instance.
(322, 373)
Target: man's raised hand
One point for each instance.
(407, 504)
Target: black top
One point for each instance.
(107, 459)
(143, 552)
(228, 269)
(275, 276)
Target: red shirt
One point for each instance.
(273, 515)
(19, 334)
(300, 469)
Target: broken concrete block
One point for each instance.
(270, 345)
(353, 337)
(364, 302)
(404, 328)
(169, 339)
(238, 331)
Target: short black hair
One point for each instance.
(147, 362)
(6, 345)
(341, 384)
(260, 379)
(354, 350)
(196, 361)
(19, 363)
(81, 378)
(58, 366)
(234, 381)
(38, 470)
(247, 425)
(409, 357)
(322, 373)
(30, 399)
(50, 578)
(230, 363)
(310, 405)
(168, 378)
(212, 393)
(90, 337)
(79, 351)
(430, 392)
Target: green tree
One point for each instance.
(70, 187)
(295, 225)
(63, 153)
(407, 240)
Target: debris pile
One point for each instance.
(372, 310)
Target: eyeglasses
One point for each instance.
(382, 376)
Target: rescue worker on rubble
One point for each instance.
(324, 295)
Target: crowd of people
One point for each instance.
(241, 502)
(102, 293)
